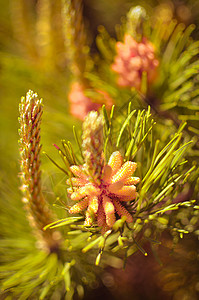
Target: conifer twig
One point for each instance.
(22, 27)
(75, 37)
(38, 211)
(49, 34)
(43, 27)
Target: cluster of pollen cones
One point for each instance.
(132, 60)
(104, 200)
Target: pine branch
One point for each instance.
(75, 37)
(49, 34)
(22, 27)
(173, 85)
(43, 30)
(122, 215)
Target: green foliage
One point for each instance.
(174, 93)
(163, 172)
(28, 272)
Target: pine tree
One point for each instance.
(124, 187)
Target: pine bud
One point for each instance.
(38, 212)
(93, 144)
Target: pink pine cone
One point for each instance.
(81, 105)
(132, 59)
